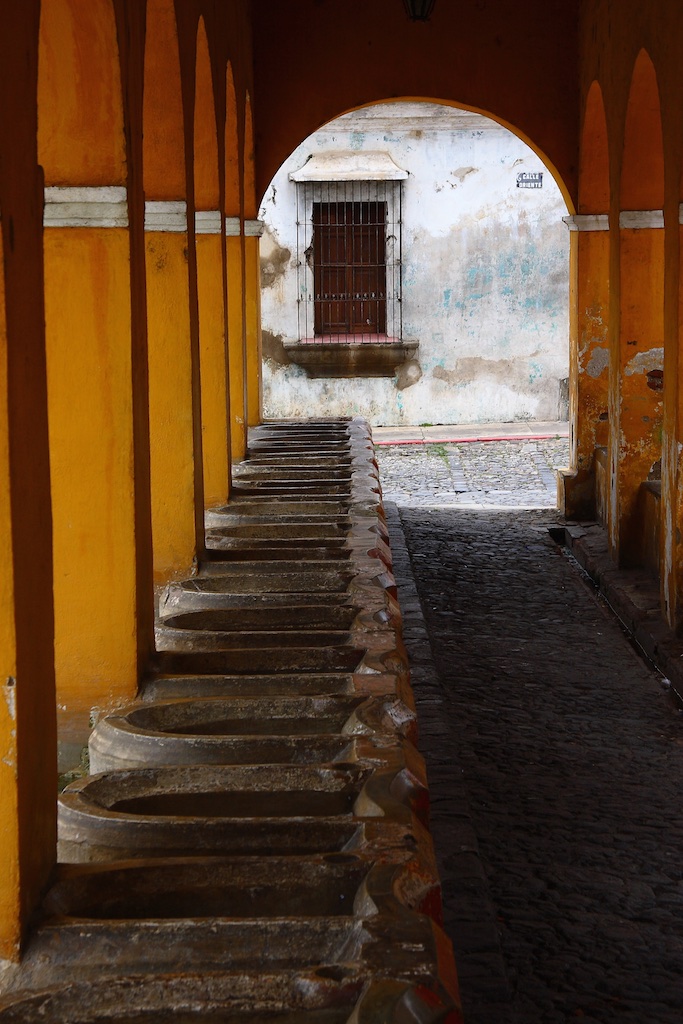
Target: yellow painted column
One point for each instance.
(213, 357)
(236, 360)
(253, 229)
(172, 454)
(671, 561)
(88, 341)
(635, 428)
(589, 359)
(28, 735)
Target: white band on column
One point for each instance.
(207, 222)
(166, 216)
(85, 206)
(587, 222)
(253, 228)
(232, 227)
(640, 219)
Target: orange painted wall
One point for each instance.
(171, 409)
(212, 340)
(640, 419)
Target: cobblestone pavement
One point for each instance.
(555, 755)
(489, 474)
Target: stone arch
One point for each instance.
(466, 275)
(510, 126)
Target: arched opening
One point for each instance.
(172, 448)
(210, 292)
(447, 302)
(81, 145)
(636, 412)
(235, 269)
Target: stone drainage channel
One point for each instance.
(252, 845)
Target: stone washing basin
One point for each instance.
(292, 488)
(276, 887)
(247, 717)
(263, 577)
(224, 548)
(233, 730)
(255, 601)
(294, 473)
(302, 460)
(253, 810)
(286, 613)
(282, 684)
(190, 659)
(300, 509)
(257, 639)
(294, 446)
(337, 996)
(277, 528)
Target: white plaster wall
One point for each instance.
(485, 279)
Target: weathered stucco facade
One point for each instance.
(485, 275)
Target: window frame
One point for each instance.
(310, 193)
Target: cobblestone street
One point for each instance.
(555, 754)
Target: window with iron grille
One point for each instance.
(349, 262)
(349, 268)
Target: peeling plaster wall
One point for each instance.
(485, 278)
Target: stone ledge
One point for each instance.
(633, 595)
(342, 359)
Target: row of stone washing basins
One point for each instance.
(252, 842)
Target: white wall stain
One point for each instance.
(9, 692)
(643, 362)
(485, 274)
(598, 362)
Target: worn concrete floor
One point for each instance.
(555, 753)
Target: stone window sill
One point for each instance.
(373, 356)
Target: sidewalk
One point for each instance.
(445, 433)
